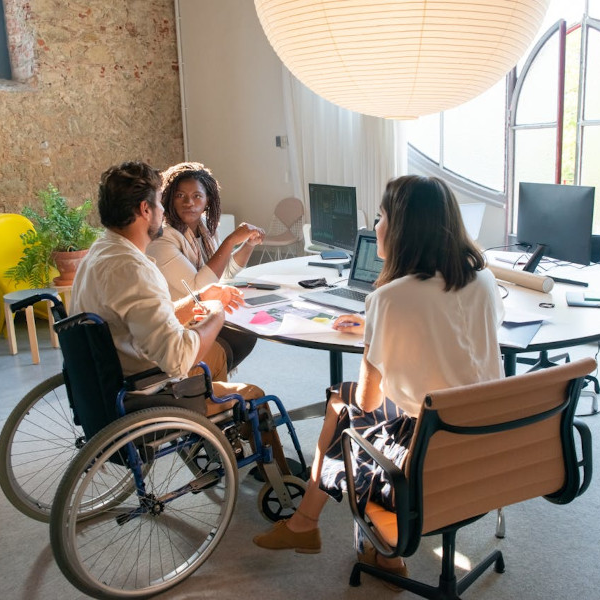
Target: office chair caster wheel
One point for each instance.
(272, 507)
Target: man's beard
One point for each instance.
(155, 232)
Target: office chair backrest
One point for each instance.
(289, 210)
(481, 447)
(93, 374)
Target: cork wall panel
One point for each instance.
(103, 88)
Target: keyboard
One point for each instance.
(348, 293)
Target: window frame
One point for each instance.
(5, 66)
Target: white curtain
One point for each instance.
(332, 145)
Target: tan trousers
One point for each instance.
(216, 360)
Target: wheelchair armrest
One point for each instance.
(145, 379)
(586, 453)
(398, 482)
(58, 310)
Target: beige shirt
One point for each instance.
(179, 256)
(422, 338)
(121, 284)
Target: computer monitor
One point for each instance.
(333, 220)
(556, 221)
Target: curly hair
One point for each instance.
(191, 170)
(426, 233)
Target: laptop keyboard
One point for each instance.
(348, 293)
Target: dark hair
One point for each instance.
(122, 189)
(425, 233)
(191, 170)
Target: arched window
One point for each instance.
(541, 123)
(554, 128)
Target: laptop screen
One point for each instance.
(366, 265)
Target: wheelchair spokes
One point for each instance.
(38, 441)
(147, 540)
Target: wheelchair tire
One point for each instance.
(37, 443)
(149, 543)
(269, 504)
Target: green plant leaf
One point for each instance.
(58, 227)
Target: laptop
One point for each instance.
(364, 270)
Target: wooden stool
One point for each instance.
(31, 331)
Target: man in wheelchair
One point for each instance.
(120, 283)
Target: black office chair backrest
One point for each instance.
(93, 374)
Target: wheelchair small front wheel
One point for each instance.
(271, 506)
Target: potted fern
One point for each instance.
(61, 238)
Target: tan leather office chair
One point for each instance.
(475, 449)
(285, 230)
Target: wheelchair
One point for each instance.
(136, 501)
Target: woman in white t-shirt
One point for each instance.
(430, 324)
(189, 248)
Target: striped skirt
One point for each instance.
(388, 428)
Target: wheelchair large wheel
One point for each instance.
(37, 443)
(270, 505)
(163, 530)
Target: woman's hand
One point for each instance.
(350, 324)
(231, 298)
(248, 234)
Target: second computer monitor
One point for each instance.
(556, 221)
(333, 220)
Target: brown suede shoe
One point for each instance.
(369, 557)
(281, 538)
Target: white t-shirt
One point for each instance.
(421, 338)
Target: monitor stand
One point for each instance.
(535, 258)
(338, 266)
(334, 254)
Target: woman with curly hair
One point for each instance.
(189, 248)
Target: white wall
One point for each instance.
(233, 101)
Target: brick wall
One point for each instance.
(96, 83)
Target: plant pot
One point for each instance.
(67, 263)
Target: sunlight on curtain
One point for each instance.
(329, 144)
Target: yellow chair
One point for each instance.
(11, 250)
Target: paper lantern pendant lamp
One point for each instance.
(400, 59)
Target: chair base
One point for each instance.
(449, 588)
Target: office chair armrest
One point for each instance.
(398, 482)
(586, 453)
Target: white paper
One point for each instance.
(294, 325)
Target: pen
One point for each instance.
(194, 296)
(348, 324)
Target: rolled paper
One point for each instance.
(523, 278)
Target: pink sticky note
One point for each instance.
(262, 318)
